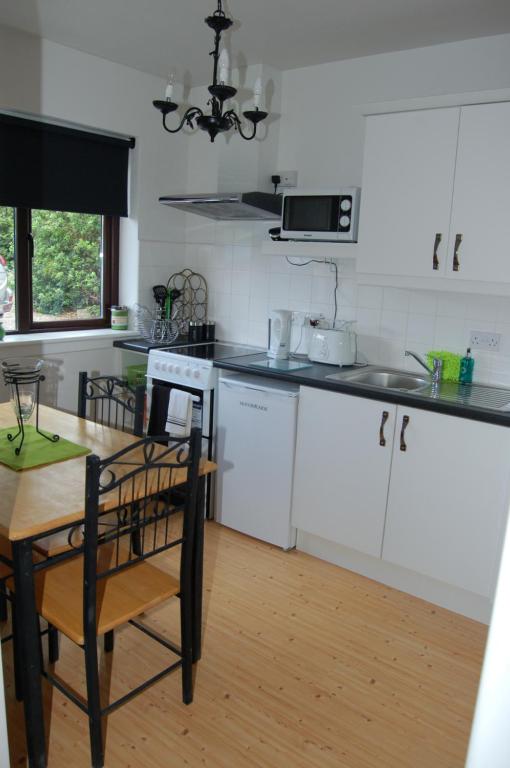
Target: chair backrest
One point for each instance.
(111, 401)
(130, 509)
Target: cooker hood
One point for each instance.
(247, 206)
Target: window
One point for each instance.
(58, 270)
(62, 191)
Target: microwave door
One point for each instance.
(313, 217)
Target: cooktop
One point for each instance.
(212, 351)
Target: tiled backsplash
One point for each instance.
(245, 284)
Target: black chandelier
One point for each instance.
(218, 121)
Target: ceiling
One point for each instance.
(159, 36)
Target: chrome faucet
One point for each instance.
(435, 371)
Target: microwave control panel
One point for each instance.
(345, 213)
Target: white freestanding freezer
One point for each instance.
(256, 439)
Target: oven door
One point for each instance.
(158, 396)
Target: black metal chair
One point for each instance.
(109, 400)
(103, 583)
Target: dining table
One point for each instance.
(45, 500)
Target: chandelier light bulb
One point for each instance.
(257, 92)
(224, 64)
(170, 87)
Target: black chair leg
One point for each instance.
(187, 650)
(53, 644)
(3, 601)
(17, 659)
(94, 705)
(109, 641)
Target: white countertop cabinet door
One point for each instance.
(408, 173)
(448, 498)
(341, 472)
(480, 212)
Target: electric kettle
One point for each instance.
(280, 326)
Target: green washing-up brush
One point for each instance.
(451, 363)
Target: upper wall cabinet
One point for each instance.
(435, 186)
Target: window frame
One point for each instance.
(23, 249)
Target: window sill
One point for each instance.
(56, 337)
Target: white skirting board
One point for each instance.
(453, 598)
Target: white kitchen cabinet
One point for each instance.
(480, 200)
(437, 508)
(434, 196)
(408, 173)
(448, 498)
(341, 470)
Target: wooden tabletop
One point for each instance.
(37, 500)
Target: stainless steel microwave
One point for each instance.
(321, 214)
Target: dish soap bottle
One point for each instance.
(466, 368)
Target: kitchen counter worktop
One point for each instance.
(139, 344)
(470, 401)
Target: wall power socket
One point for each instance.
(485, 340)
(288, 178)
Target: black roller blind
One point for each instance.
(62, 169)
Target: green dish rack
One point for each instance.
(136, 374)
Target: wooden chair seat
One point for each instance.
(121, 597)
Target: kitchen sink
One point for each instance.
(384, 378)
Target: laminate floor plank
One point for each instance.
(304, 664)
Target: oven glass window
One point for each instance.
(311, 214)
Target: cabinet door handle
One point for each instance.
(405, 422)
(456, 262)
(384, 419)
(437, 242)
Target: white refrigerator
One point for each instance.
(256, 440)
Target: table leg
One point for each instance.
(28, 633)
(198, 569)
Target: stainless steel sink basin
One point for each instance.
(383, 377)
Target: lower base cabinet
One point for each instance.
(418, 489)
(448, 498)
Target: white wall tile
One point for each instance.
(421, 328)
(393, 324)
(370, 297)
(240, 283)
(396, 300)
(450, 334)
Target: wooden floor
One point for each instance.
(304, 665)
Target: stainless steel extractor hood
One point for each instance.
(247, 206)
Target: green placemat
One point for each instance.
(36, 451)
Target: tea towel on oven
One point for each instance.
(180, 408)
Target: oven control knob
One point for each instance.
(344, 221)
(157, 366)
(170, 367)
(196, 374)
(177, 369)
(346, 204)
(163, 366)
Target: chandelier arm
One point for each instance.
(188, 116)
(233, 117)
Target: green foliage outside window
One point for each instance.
(66, 270)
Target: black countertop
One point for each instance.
(139, 344)
(469, 401)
